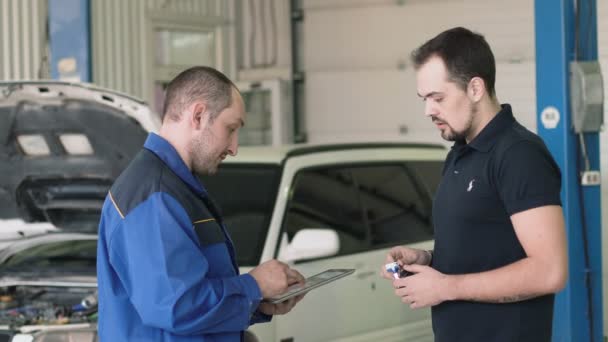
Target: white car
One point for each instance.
(317, 207)
(340, 206)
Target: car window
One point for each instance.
(396, 204)
(429, 173)
(327, 198)
(369, 206)
(245, 195)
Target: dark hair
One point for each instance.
(466, 55)
(198, 83)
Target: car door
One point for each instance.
(372, 207)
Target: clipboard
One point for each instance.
(312, 282)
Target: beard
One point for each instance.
(204, 160)
(450, 134)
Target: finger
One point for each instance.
(399, 283)
(403, 292)
(291, 302)
(414, 268)
(417, 305)
(407, 300)
(267, 308)
(300, 297)
(287, 306)
(384, 274)
(294, 276)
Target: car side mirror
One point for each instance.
(311, 243)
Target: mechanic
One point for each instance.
(166, 265)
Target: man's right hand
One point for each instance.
(273, 277)
(405, 256)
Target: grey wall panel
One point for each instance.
(120, 43)
(22, 38)
(602, 46)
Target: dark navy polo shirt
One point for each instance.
(506, 169)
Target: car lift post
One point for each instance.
(565, 33)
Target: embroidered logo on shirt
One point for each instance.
(470, 185)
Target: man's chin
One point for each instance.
(447, 136)
(206, 171)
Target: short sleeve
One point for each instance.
(527, 177)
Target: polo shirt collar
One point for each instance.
(486, 139)
(168, 154)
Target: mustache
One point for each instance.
(436, 120)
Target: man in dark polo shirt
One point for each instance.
(500, 246)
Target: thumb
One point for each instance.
(415, 268)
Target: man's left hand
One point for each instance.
(426, 287)
(280, 308)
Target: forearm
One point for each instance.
(521, 280)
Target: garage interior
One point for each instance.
(339, 71)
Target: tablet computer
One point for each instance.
(312, 282)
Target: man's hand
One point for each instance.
(426, 287)
(405, 256)
(273, 277)
(280, 308)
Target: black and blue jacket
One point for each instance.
(165, 263)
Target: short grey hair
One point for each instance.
(198, 83)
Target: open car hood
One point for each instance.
(61, 147)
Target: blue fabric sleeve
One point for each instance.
(157, 258)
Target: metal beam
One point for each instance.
(560, 39)
(70, 43)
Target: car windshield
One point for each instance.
(245, 194)
(72, 254)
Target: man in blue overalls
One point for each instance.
(165, 263)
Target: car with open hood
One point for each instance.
(315, 207)
(62, 146)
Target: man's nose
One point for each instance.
(430, 108)
(233, 149)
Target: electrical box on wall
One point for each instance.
(269, 119)
(587, 96)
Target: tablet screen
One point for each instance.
(311, 283)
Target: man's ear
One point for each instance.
(199, 115)
(476, 89)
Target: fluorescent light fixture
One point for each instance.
(76, 143)
(33, 145)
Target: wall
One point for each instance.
(359, 81)
(264, 40)
(23, 39)
(121, 48)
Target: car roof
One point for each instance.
(278, 154)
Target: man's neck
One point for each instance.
(178, 141)
(486, 111)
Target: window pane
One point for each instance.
(326, 198)
(398, 208)
(245, 195)
(185, 48)
(258, 130)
